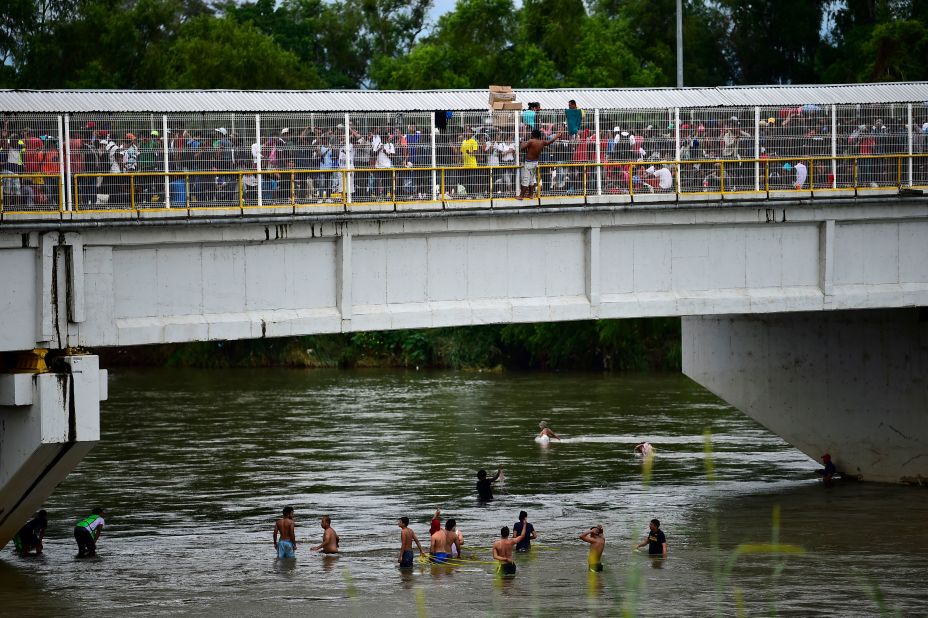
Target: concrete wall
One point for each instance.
(48, 422)
(125, 284)
(850, 383)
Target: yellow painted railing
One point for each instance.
(439, 186)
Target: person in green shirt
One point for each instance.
(87, 532)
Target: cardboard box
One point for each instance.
(496, 97)
(512, 105)
(500, 88)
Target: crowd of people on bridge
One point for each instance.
(118, 161)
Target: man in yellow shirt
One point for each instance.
(469, 160)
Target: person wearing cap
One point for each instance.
(597, 540)
(828, 472)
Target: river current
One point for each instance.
(194, 467)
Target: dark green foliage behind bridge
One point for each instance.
(308, 44)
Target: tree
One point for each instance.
(222, 53)
(774, 42)
(469, 48)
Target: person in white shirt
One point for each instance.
(664, 176)
(506, 155)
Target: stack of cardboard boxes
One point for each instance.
(503, 98)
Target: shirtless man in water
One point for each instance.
(597, 540)
(407, 538)
(329, 543)
(532, 149)
(502, 550)
(285, 535)
(440, 543)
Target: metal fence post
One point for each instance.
(258, 160)
(167, 160)
(834, 147)
(678, 147)
(911, 131)
(65, 162)
(347, 178)
(757, 148)
(435, 162)
(599, 152)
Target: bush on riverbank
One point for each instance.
(622, 345)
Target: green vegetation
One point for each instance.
(394, 44)
(623, 345)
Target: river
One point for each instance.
(194, 467)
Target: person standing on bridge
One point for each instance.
(87, 532)
(532, 149)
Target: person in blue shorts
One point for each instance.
(407, 538)
(285, 535)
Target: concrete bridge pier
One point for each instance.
(850, 383)
(48, 423)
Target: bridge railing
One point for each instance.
(124, 162)
(397, 189)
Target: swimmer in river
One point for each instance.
(546, 431)
(285, 535)
(485, 485)
(329, 543)
(440, 543)
(407, 538)
(644, 449)
(597, 540)
(502, 551)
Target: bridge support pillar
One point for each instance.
(850, 383)
(48, 423)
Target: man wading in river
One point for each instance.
(502, 551)
(329, 543)
(407, 538)
(285, 535)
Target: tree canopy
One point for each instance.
(394, 43)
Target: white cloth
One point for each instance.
(664, 176)
(801, 174)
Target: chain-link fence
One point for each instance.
(126, 161)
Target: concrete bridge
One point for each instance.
(800, 306)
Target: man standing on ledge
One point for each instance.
(532, 149)
(87, 532)
(285, 535)
(656, 541)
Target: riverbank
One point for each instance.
(610, 345)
